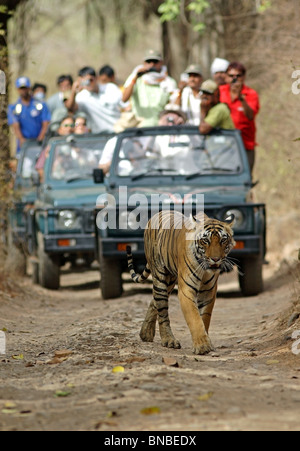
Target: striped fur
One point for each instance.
(194, 264)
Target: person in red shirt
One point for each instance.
(243, 103)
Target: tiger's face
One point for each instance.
(214, 243)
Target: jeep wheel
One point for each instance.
(251, 282)
(35, 273)
(16, 259)
(49, 268)
(111, 278)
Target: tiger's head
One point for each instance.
(213, 243)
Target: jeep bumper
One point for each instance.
(116, 247)
(71, 244)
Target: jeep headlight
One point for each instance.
(68, 220)
(239, 217)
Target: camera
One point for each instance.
(85, 82)
(152, 69)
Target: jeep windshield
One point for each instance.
(187, 155)
(75, 159)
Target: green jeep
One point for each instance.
(60, 226)
(177, 168)
(24, 196)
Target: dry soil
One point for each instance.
(62, 347)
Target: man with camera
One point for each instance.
(243, 103)
(218, 71)
(100, 103)
(149, 87)
(213, 113)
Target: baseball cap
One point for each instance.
(194, 69)
(23, 82)
(209, 86)
(173, 108)
(153, 55)
(219, 65)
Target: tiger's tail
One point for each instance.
(137, 278)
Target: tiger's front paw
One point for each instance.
(203, 346)
(171, 342)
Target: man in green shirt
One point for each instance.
(213, 113)
(149, 88)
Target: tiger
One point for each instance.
(192, 254)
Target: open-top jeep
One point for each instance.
(171, 167)
(60, 226)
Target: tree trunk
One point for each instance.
(4, 138)
(7, 6)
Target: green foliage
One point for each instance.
(171, 10)
(198, 6)
(264, 5)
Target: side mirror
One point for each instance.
(35, 178)
(98, 176)
(252, 184)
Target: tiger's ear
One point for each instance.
(193, 220)
(199, 220)
(230, 220)
(196, 221)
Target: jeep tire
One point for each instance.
(35, 273)
(49, 267)
(251, 279)
(111, 278)
(16, 261)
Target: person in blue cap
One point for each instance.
(28, 117)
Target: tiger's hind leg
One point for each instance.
(149, 325)
(159, 308)
(161, 294)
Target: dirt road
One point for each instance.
(250, 382)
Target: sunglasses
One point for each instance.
(235, 75)
(153, 61)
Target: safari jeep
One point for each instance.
(60, 226)
(176, 167)
(24, 196)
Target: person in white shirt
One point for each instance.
(189, 94)
(100, 102)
